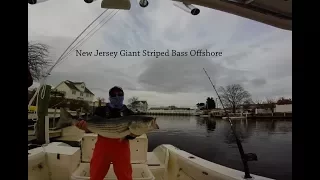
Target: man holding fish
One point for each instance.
(114, 132)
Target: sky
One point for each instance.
(255, 55)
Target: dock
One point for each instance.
(171, 112)
(264, 116)
(70, 135)
(276, 115)
(52, 134)
(51, 114)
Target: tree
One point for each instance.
(133, 102)
(234, 95)
(201, 105)
(258, 101)
(247, 103)
(211, 104)
(271, 104)
(38, 59)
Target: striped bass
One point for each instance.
(113, 127)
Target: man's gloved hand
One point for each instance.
(131, 136)
(82, 125)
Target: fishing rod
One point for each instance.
(244, 157)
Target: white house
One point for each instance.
(286, 108)
(141, 106)
(75, 90)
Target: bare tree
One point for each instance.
(247, 103)
(38, 59)
(270, 101)
(234, 95)
(258, 101)
(271, 104)
(133, 101)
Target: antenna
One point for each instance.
(244, 157)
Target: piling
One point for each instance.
(54, 118)
(43, 103)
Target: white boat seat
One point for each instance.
(152, 160)
(156, 167)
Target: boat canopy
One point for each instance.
(277, 13)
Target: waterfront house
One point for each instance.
(284, 105)
(141, 106)
(75, 90)
(283, 108)
(258, 108)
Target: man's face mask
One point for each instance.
(116, 99)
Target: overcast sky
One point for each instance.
(255, 55)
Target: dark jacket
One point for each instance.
(108, 112)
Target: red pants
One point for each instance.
(111, 150)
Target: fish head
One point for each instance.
(151, 122)
(143, 124)
(153, 125)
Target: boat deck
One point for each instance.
(53, 134)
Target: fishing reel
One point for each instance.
(187, 7)
(143, 3)
(36, 1)
(89, 1)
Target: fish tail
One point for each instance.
(65, 119)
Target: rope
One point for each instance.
(59, 59)
(62, 57)
(84, 40)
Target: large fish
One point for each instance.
(113, 127)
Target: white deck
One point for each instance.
(165, 162)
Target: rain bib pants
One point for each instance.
(111, 150)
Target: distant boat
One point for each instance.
(198, 113)
(235, 118)
(204, 115)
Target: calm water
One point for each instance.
(212, 140)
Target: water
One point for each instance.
(212, 139)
